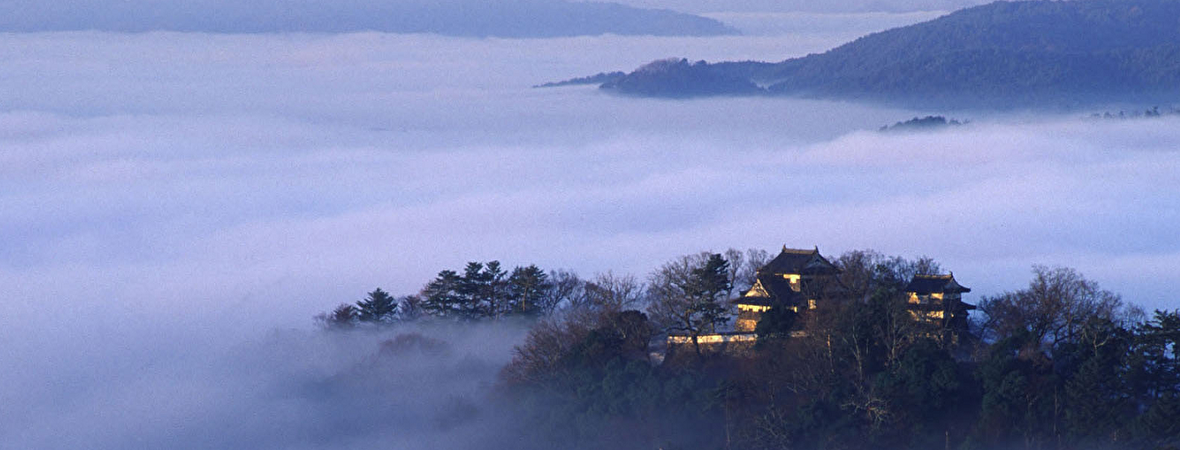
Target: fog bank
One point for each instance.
(421, 387)
(168, 200)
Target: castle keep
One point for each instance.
(795, 279)
(803, 280)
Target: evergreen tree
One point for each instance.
(472, 287)
(923, 389)
(1158, 426)
(708, 287)
(379, 306)
(482, 291)
(443, 296)
(775, 324)
(1158, 347)
(1096, 393)
(495, 295)
(1157, 379)
(1020, 390)
(686, 295)
(527, 290)
(711, 280)
(343, 316)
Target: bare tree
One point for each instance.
(540, 356)
(545, 353)
(687, 293)
(743, 268)
(566, 290)
(1052, 309)
(614, 293)
(411, 308)
(866, 272)
(858, 272)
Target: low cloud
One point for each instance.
(380, 159)
(419, 387)
(171, 199)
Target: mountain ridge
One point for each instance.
(1003, 54)
(467, 18)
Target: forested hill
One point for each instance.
(1002, 54)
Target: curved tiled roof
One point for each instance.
(930, 284)
(798, 261)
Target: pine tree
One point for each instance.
(344, 316)
(685, 295)
(494, 298)
(1096, 392)
(480, 292)
(709, 284)
(527, 288)
(775, 324)
(442, 297)
(471, 287)
(1157, 354)
(379, 306)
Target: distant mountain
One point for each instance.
(922, 124)
(997, 55)
(813, 6)
(678, 78)
(598, 78)
(502, 18)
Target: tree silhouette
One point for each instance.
(686, 295)
(379, 306)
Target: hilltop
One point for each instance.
(1003, 54)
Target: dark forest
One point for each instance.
(1059, 363)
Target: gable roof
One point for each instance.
(798, 261)
(930, 284)
(769, 291)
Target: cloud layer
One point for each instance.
(418, 388)
(166, 199)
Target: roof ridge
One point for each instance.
(800, 251)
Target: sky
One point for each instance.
(175, 207)
(538, 18)
(510, 18)
(781, 6)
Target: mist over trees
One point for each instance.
(1060, 363)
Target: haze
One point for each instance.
(169, 200)
(788, 6)
(514, 18)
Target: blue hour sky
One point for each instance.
(175, 207)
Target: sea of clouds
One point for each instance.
(170, 202)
